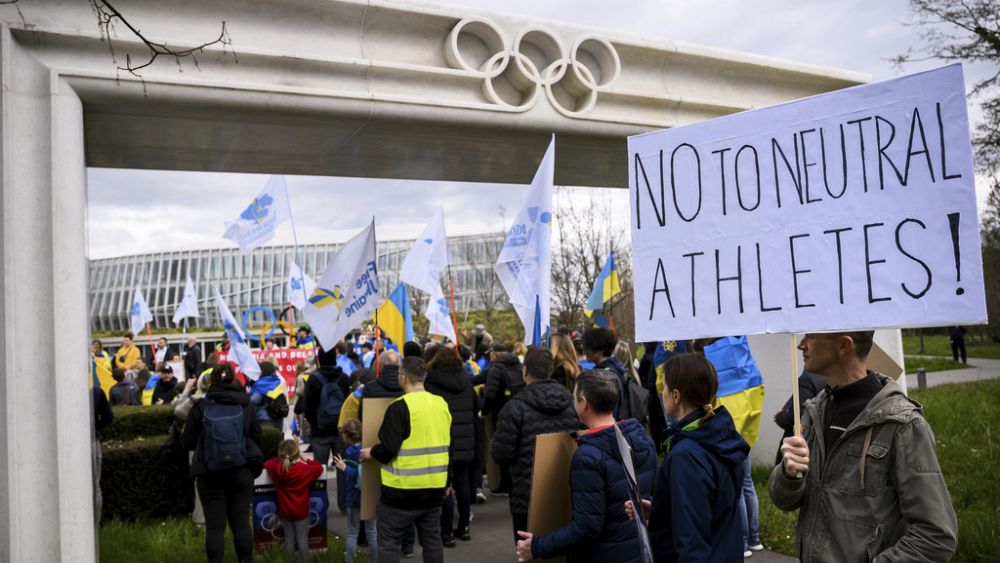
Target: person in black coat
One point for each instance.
(544, 407)
(225, 494)
(446, 378)
(192, 358)
(599, 346)
(600, 530)
(166, 388)
(810, 384)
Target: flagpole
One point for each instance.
(454, 316)
(152, 346)
(377, 370)
(298, 257)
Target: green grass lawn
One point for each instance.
(931, 364)
(179, 540)
(964, 417)
(940, 345)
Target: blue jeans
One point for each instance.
(748, 509)
(353, 526)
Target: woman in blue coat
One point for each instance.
(600, 529)
(695, 508)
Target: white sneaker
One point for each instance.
(747, 553)
(757, 547)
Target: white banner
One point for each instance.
(427, 257)
(524, 266)
(257, 223)
(297, 294)
(237, 343)
(849, 210)
(189, 303)
(139, 313)
(347, 294)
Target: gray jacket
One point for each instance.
(877, 494)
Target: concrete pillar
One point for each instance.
(46, 510)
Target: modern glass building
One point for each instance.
(260, 279)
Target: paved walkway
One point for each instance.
(492, 536)
(982, 368)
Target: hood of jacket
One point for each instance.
(507, 361)
(717, 435)
(228, 394)
(547, 396)
(889, 404)
(607, 440)
(389, 378)
(452, 379)
(613, 364)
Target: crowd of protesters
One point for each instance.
(863, 474)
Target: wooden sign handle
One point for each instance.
(797, 421)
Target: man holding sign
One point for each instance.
(864, 475)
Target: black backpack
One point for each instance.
(636, 400)
(223, 439)
(276, 407)
(331, 400)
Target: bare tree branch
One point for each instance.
(107, 15)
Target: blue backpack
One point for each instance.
(331, 400)
(223, 443)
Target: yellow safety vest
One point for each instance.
(422, 460)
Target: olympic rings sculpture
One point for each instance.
(515, 77)
(270, 325)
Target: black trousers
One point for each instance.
(462, 473)
(520, 522)
(956, 347)
(225, 496)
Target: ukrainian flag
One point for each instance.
(100, 372)
(663, 353)
(394, 316)
(605, 287)
(741, 386)
(147, 393)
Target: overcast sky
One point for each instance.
(183, 210)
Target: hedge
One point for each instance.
(140, 478)
(133, 422)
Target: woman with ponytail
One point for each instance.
(694, 514)
(292, 475)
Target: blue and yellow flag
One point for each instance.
(394, 315)
(605, 287)
(664, 350)
(741, 385)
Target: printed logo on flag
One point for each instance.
(234, 335)
(324, 297)
(296, 284)
(136, 309)
(257, 211)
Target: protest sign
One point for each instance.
(849, 210)
(550, 506)
(634, 494)
(371, 470)
(286, 358)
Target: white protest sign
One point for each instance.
(849, 210)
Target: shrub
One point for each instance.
(142, 479)
(133, 422)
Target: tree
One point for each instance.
(969, 31)
(991, 257)
(586, 235)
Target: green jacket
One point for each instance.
(877, 494)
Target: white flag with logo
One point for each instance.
(525, 263)
(189, 303)
(347, 293)
(238, 347)
(139, 313)
(300, 286)
(427, 257)
(438, 316)
(257, 223)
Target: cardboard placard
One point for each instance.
(879, 360)
(492, 469)
(371, 474)
(550, 506)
